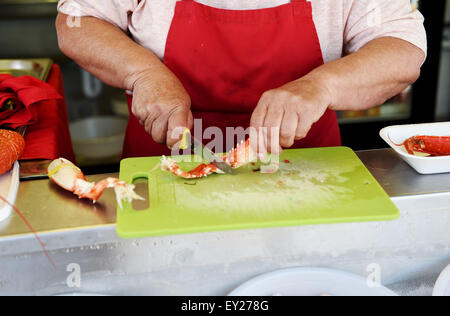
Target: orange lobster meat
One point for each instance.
(200, 171)
(242, 155)
(432, 145)
(12, 145)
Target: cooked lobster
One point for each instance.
(432, 145)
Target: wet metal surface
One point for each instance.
(398, 178)
(50, 208)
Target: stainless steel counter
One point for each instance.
(411, 250)
(398, 178)
(49, 208)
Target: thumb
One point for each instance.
(179, 120)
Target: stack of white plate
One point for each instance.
(442, 287)
(9, 185)
(310, 282)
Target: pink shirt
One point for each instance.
(343, 26)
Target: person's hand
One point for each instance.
(286, 114)
(162, 106)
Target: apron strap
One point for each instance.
(293, 1)
(299, 6)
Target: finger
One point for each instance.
(190, 124)
(145, 113)
(140, 116)
(262, 144)
(288, 129)
(139, 110)
(148, 124)
(159, 129)
(272, 122)
(303, 128)
(177, 123)
(257, 140)
(259, 114)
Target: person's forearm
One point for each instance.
(378, 71)
(106, 52)
(160, 102)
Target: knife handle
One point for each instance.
(188, 139)
(184, 140)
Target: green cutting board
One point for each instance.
(313, 186)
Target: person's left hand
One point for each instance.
(286, 114)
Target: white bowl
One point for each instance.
(98, 137)
(425, 165)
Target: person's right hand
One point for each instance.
(162, 106)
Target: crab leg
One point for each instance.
(200, 171)
(236, 158)
(242, 155)
(69, 177)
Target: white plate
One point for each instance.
(424, 165)
(309, 282)
(82, 294)
(9, 185)
(442, 287)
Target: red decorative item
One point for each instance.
(26, 101)
(50, 138)
(25, 93)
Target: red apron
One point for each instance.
(226, 59)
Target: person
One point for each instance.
(286, 65)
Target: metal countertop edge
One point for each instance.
(379, 162)
(113, 226)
